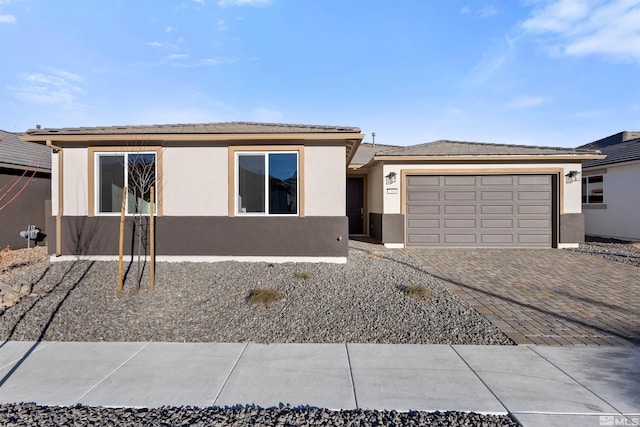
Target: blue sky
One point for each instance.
(543, 72)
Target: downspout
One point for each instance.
(58, 150)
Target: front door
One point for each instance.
(355, 205)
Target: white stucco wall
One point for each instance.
(325, 177)
(195, 181)
(572, 193)
(75, 182)
(621, 218)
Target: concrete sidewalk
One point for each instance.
(537, 385)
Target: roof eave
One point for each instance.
(479, 158)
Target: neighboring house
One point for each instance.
(245, 191)
(466, 194)
(25, 186)
(611, 187)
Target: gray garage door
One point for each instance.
(479, 211)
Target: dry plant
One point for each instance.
(303, 275)
(264, 296)
(636, 245)
(420, 292)
(373, 256)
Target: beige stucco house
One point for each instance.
(466, 194)
(242, 191)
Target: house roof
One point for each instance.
(197, 128)
(464, 148)
(619, 148)
(367, 150)
(18, 154)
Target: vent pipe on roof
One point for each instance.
(373, 139)
(38, 126)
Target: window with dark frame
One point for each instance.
(267, 183)
(593, 189)
(136, 171)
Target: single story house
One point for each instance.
(468, 194)
(611, 187)
(25, 189)
(242, 191)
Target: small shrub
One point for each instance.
(303, 275)
(262, 296)
(636, 245)
(373, 256)
(417, 291)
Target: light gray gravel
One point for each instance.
(611, 249)
(360, 302)
(29, 414)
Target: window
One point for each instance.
(267, 183)
(114, 171)
(593, 189)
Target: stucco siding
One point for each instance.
(324, 181)
(75, 182)
(375, 184)
(621, 217)
(195, 181)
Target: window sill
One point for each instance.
(594, 206)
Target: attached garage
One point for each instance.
(474, 195)
(479, 211)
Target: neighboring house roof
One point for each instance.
(367, 150)
(619, 148)
(18, 154)
(198, 128)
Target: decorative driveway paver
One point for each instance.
(548, 297)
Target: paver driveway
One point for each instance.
(549, 296)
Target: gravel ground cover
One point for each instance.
(29, 414)
(611, 249)
(362, 301)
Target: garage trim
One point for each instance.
(557, 188)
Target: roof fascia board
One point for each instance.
(194, 137)
(501, 158)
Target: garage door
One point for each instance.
(479, 211)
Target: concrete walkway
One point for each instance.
(548, 297)
(537, 385)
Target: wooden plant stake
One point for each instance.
(121, 243)
(152, 241)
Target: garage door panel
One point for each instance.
(460, 238)
(496, 209)
(534, 209)
(496, 195)
(423, 209)
(477, 211)
(460, 209)
(498, 238)
(497, 223)
(423, 180)
(424, 195)
(534, 180)
(497, 180)
(460, 195)
(460, 180)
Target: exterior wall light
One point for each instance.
(391, 178)
(572, 176)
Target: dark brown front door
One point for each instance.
(355, 205)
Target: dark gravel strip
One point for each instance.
(611, 249)
(30, 415)
(363, 301)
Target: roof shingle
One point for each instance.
(197, 128)
(23, 154)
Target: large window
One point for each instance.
(267, 183)
(114, 171)
(593, 189)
